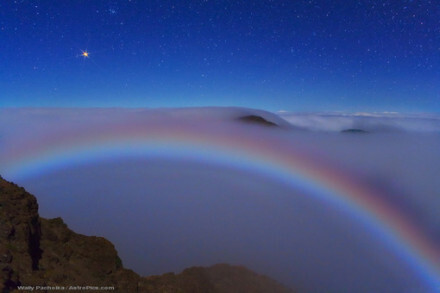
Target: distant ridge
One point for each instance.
(255, 119)
(354, 130)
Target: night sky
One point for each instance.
(274, 55)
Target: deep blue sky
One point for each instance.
(276, 55)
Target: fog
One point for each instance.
(165, 213)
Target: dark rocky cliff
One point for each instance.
(38, 252)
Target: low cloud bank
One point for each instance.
(373, 122)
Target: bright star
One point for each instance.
(85, 54)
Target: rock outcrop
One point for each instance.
(38, 252)
(258, 120)
(354, 130)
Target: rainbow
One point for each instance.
(270, 155)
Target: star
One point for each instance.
(85, 54)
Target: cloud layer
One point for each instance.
(373, 122)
